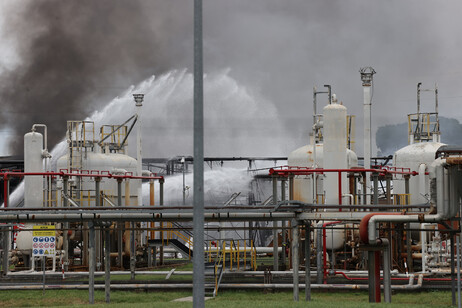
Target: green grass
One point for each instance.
(241, 298)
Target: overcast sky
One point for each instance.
(80, 54)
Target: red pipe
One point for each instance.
(340, 189)
(363, 230)
(307, 171)
(83, 173)
(324, 249)
(64, 172)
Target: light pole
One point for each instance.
(183, 161)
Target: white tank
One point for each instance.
(417, 156)
(335, 237)
(33, 162)
(335, 150)
(303, 185)
(108, 163)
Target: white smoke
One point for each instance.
(238, 122)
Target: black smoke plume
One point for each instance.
(75, 55)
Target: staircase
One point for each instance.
(213, 274)
(175, 243)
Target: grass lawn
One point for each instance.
(243, 299)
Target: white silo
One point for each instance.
(335, 151)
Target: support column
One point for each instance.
(91, 269)
(388, 178)
(375, 178)
(386, 273)
(377, 276)
(98, 242)
(283, 227)
(161, 203)
(371, 275)
(119, 226)
(66, 225)
(319, 249)
(275, 227)
(107, 264)
(132, 250)
(453, 281)
(307, 260)
(6, 249)
(295, 257)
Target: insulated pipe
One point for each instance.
(422, 186)
(418, 110)
(45, 134)
(176, 286)
(439, 177)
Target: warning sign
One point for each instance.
(43, 241)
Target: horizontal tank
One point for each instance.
(417, 157)
(107, 162)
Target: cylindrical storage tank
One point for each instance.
(33, 162)
(303, 184)
(416, 157)
(335, 237)
(335, 151)
(108, 163)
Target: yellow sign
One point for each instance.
(43, 230)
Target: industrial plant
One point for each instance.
(319, 218)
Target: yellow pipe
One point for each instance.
(238, 252)
(245, 255)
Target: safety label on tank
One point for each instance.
(43, 241)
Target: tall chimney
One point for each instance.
(139, 102)
(367, 74)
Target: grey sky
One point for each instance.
(279, 49)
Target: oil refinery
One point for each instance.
(320, 218)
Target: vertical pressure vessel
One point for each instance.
(33, 162)
(335, 151)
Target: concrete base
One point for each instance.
(188, 299)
